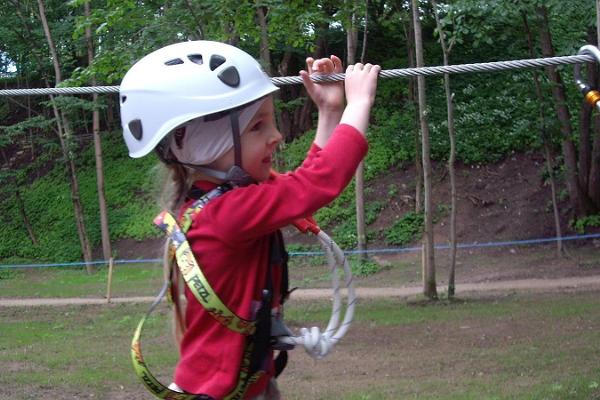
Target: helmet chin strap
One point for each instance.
(236, 173)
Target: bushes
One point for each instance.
(406, 229)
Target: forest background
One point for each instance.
(52, 149)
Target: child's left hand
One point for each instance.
(327, 96)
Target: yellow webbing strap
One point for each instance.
(196, 281)
(200, 287)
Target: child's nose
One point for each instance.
(276, 136)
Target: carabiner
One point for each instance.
(592, 96)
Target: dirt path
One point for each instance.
(538, 285)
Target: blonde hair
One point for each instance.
(177, 184)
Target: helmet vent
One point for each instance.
(196, 58)
(216, 61)
(230, 76)
(135, 127)
(175, 61)
(123, 99)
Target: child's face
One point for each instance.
(259, 141)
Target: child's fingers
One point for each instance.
(323, 66)
(337, 64)
(309, 64)
(308, 83)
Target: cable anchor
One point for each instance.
(592, 96)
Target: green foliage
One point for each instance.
(362, 268)
(589, 221)
(49, 208)
(406, 229)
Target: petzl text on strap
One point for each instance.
(196, 281)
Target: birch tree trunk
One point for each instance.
(452, 157)
(64, 133)
(429, 283)
(106, 247)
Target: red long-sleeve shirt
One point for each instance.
(230, 239)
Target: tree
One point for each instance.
(106, 247)
(64, 136)
(580, 201)
(359, 176)
(446, 49)
(545, 138)
(429, 284)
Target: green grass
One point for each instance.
(127, 280)
(65, 350)
(75, 347)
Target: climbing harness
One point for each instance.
(390, 73)
(203, 292)
(316, 343)
(592, 96)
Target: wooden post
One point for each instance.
(108, 285)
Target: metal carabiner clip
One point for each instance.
(592, 96)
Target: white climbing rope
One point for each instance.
(316, 343)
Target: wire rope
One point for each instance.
(390, 73)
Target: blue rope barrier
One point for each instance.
(320, 253)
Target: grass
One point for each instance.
(127, 280)
(525, 347)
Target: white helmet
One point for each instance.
(182, 82)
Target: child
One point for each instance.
(207, 109)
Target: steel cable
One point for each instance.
(390, 73)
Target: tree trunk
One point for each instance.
(594, 177)
(265, 53)
(359, 187)
(546, 140)
(593, 187)
(106, 247)
(412, 100)
(579, 201)
(452, 156)
(64, 133)
(429, 283)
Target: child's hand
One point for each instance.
(327, 96)
(361, 84)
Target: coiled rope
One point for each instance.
(316, 343)
(390, 73)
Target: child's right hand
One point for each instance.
(361, 85)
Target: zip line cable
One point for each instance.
(389, 73)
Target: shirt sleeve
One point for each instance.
(259, 209)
